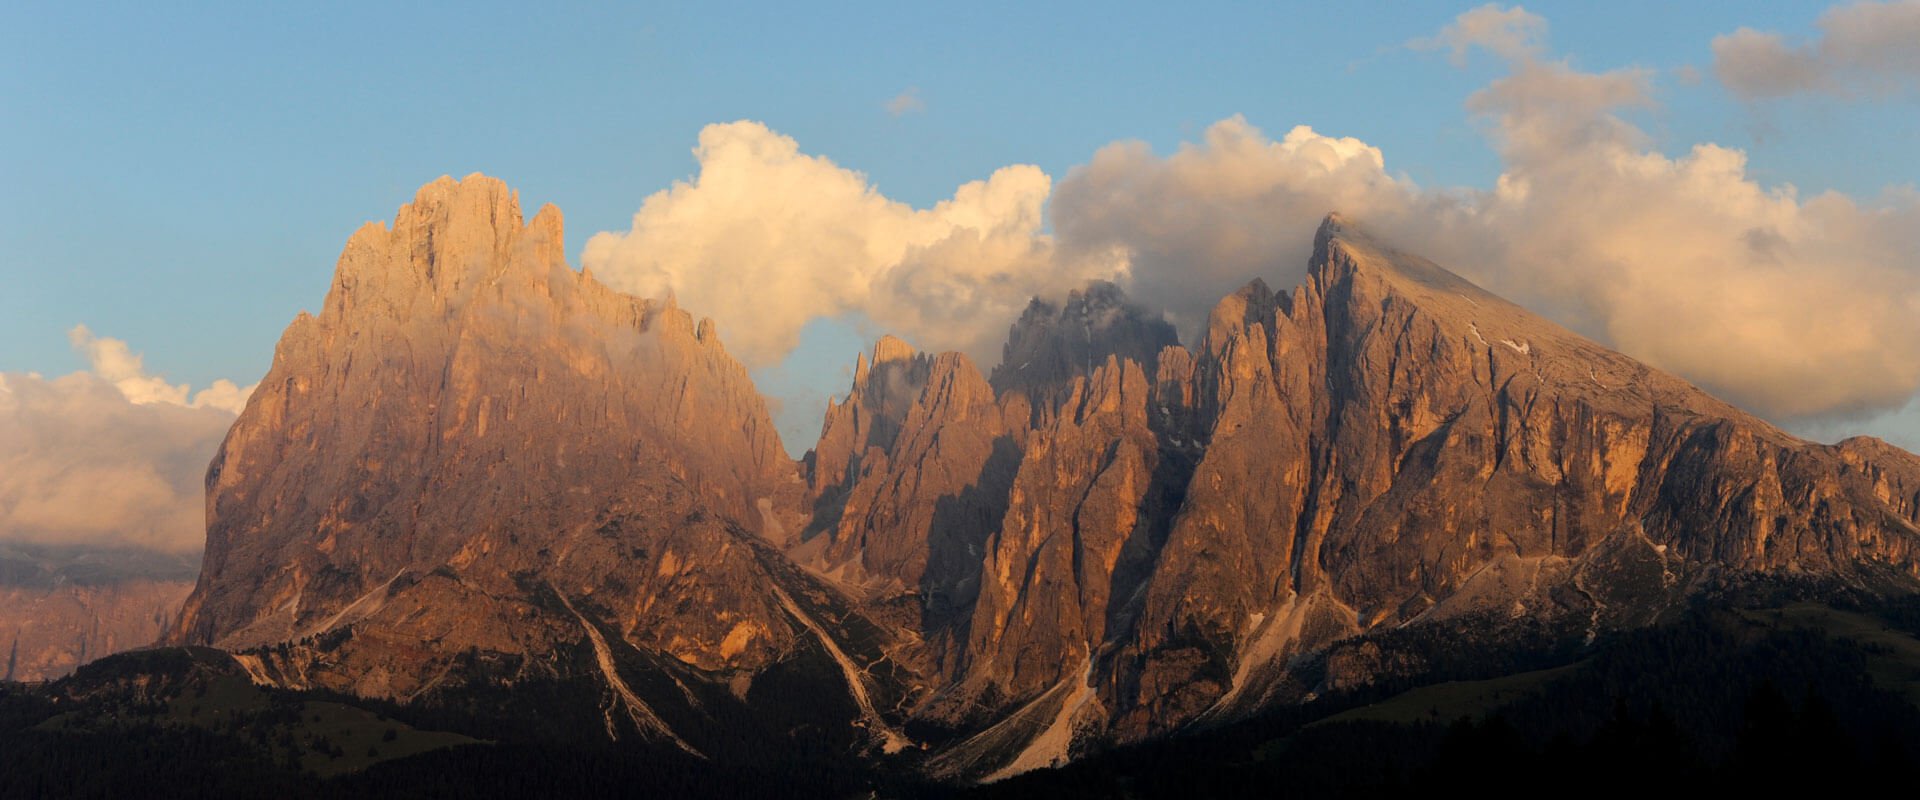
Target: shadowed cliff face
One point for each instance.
(475, 457)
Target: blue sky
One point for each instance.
(183, 179)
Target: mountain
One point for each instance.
(477, 467)
(62, 607)
(1192, 538)
(477, 470)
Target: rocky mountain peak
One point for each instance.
(468, 406)
(1054, 342)
(1355, 279)
(884, 388)
(890, 349)
(1251, 304)
(454, 237)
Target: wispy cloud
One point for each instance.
(1863, 49)
(1510, 33)
(907, 102)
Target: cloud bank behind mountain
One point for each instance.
(113, 457)
(1803, 308)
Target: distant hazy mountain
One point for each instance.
(63, 606)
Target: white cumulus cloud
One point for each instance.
(766, 237)
(112, 360)
(1200, 223)
(111, 457)
(81, 464)
(1793, 306)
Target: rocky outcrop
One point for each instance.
(869, 419)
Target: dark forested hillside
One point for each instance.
(1785, 692)
(1804, 694)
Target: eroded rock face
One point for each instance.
(1076, 506)
(475, 450)
(1385, 445)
